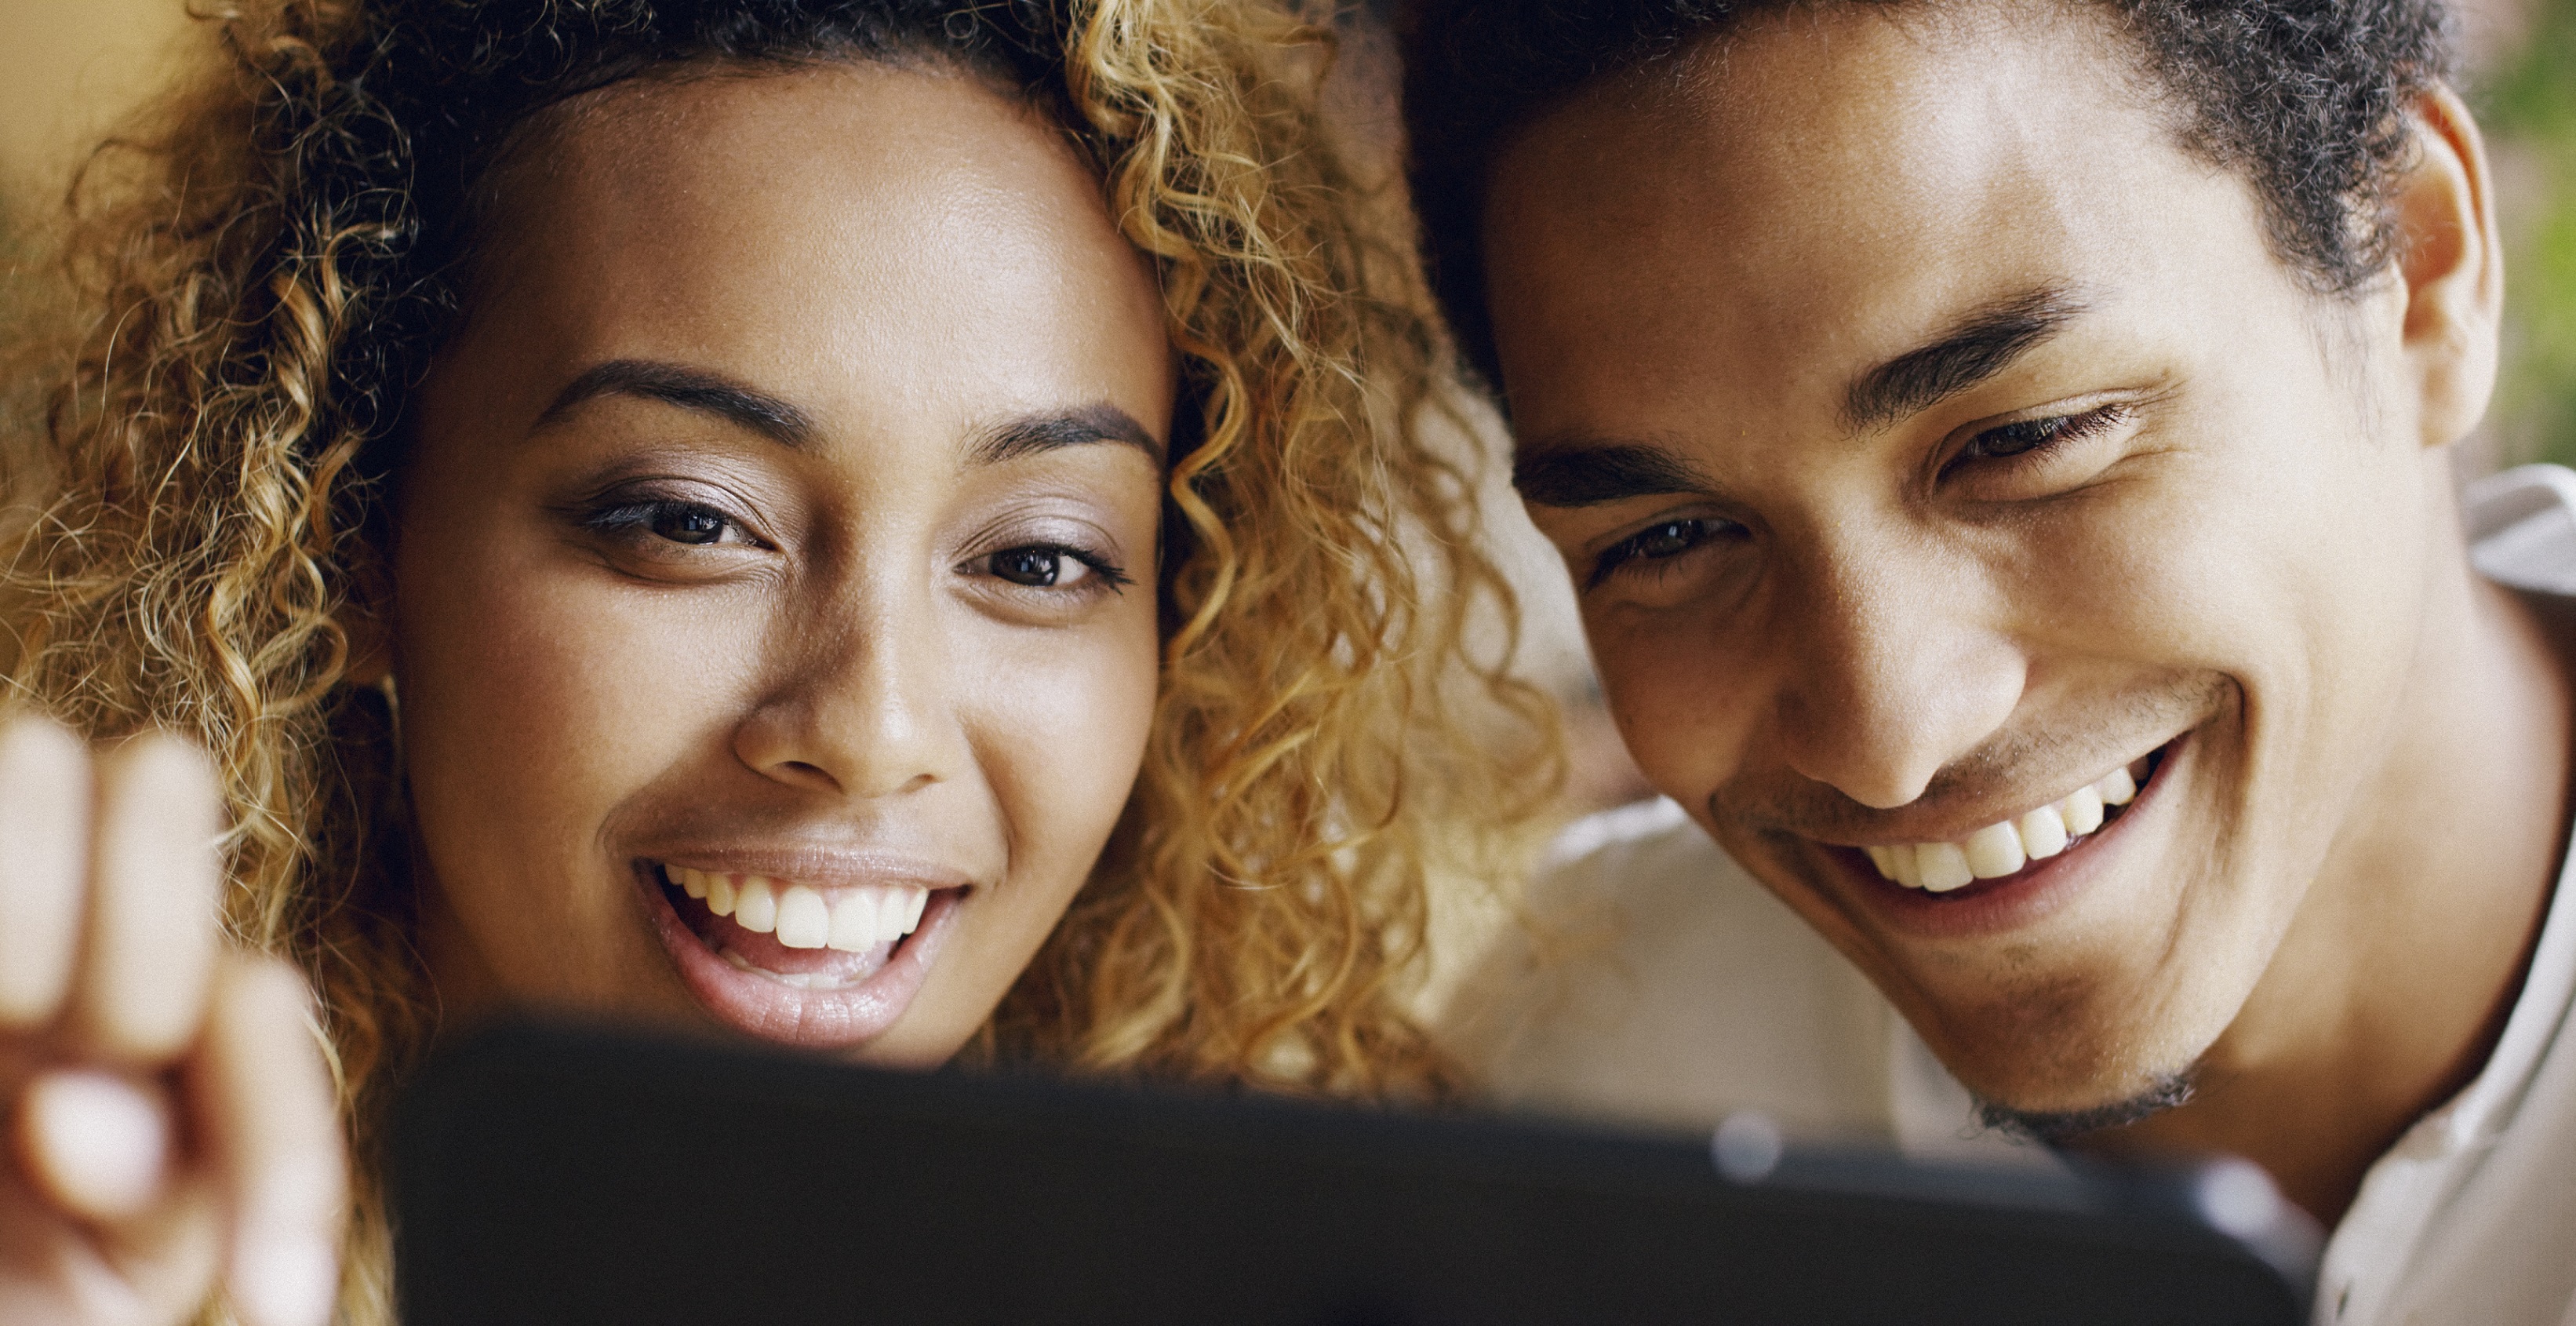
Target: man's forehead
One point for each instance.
(1816, 196)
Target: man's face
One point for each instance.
(1932, 439)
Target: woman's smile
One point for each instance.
(827, 958)
(802, 915)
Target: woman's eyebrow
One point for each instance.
(1030, 434)
(689, 389)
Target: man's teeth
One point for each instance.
(852, 920)
(2000, 849)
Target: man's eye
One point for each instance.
(1670, 539)
(2014, 439)
(2029, 435)
(688, 524)
(1654, 543)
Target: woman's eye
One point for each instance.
(1048, 566)
(692, 523)
(1039, 568)
(688, 524)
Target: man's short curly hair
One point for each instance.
(2303, 98)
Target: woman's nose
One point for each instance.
(859, 707)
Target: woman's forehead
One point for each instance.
(856, 237)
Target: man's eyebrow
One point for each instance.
(1030, 434)
(1591, 475)
(689, 389)
(1982, 344)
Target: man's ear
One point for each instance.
(2451, 266)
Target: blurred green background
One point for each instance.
(2526, 98)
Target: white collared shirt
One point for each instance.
(1661, 986)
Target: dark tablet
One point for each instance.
(566, 1177)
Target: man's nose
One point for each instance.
(859, 705)
(1895, 669)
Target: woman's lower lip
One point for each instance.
(2018, 900)
(821, 1019)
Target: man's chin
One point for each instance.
(2055, 1127)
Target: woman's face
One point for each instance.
(781, 530)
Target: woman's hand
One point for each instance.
(170, 1121)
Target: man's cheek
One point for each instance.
(1679, 710)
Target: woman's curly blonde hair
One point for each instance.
(257, 272)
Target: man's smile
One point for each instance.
(1978, 883)
(2006, 847)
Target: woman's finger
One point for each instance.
(44, 834)
(272, 1121)
(154, 889)
(96, 1144)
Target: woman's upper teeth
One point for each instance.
(2000, 849)
(852, 920)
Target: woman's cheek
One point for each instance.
(1063, 722)
(538, 695)
(1058, 721)
(552, 685)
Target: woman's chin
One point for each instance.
(817, 998)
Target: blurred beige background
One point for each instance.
(68, 68)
